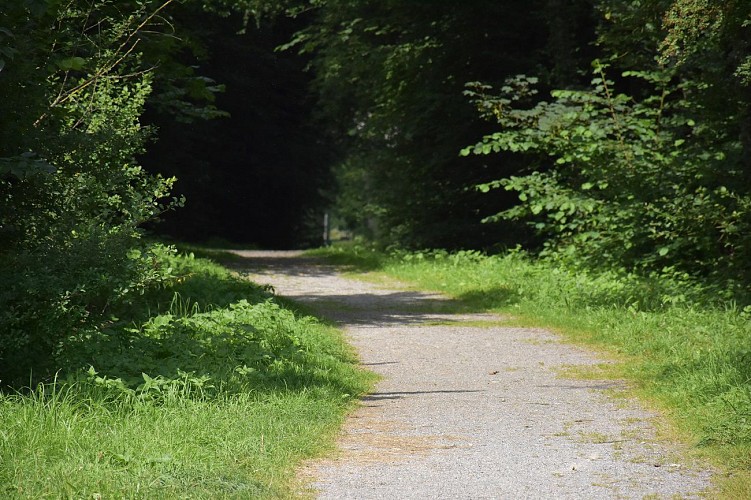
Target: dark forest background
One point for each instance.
(259, 173)
(363, 117)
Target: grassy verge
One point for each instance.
(683, 351)
(210, 389)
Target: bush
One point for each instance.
(625, 181)
(72, 197)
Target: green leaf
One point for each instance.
(72, 63)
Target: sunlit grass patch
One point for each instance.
(353, 256)
(71, 443)
(600, 371)
(213, 390)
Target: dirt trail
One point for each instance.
(471, 409)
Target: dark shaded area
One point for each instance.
(405, 117)
(257, 176)
(264, 176)
(380, 396)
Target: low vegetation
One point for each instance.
(683, 349)
(215, 390)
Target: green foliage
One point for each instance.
(207, 329)
(232, 346)
(630, 31)
(620, 180)
(699, 29)
(72, 196)
(213, 390)
(355, 256)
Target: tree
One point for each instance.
(654, 179)
(72, 197)
(389, 76)
(711, 42)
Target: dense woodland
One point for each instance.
(607, 134)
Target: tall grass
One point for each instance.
(216, 391)
(81, 446)
(682, 348)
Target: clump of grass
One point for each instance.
(684, 349)
(72, 442)
(351, 255)
(217, 252)
(213, 390)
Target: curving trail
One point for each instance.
(470, 409)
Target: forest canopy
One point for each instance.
(611, 134)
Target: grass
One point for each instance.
(76, 445)
(682, 350)
(211, 390)
(217, 253)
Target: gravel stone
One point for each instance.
(469, 410)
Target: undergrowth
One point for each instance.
(683, 348)
(208, 388)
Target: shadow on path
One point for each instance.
(289, 263)
(368, 308)
(378, 396)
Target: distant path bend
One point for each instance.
(472, 410)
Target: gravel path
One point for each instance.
(469, 410)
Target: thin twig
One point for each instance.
(107, 67)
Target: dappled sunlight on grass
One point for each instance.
(491, 298)
(213, 388)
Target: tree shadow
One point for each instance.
(289, 263)
(402, 307)
(489, 298)
(380, 396)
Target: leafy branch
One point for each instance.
(117, 56)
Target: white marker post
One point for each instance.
(326, 230)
